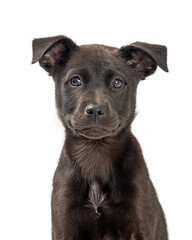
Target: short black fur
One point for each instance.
(101, 187)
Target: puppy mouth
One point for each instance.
(94, 130)
(97, 132)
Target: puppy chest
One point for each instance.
(95, 164)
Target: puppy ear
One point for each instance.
(145, 57)
(52, 52)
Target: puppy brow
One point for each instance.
(82, 72)
(111, 73)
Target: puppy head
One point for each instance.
(96, 84)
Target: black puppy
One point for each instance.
(101, 188)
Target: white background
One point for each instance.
(31, 136)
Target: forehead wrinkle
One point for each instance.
(95, 56)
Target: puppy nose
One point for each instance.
(94, 110)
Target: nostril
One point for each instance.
(99, 112)
(89, 111)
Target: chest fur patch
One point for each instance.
(96, 197)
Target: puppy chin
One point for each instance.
(94, 135)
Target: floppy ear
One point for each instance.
(52, 52)
(145, 57)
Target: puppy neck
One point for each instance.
(95, 158)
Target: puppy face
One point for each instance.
(95, 84)
(96, 92)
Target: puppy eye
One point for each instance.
(117, 83)
(75, 81)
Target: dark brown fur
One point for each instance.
(101, 187)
